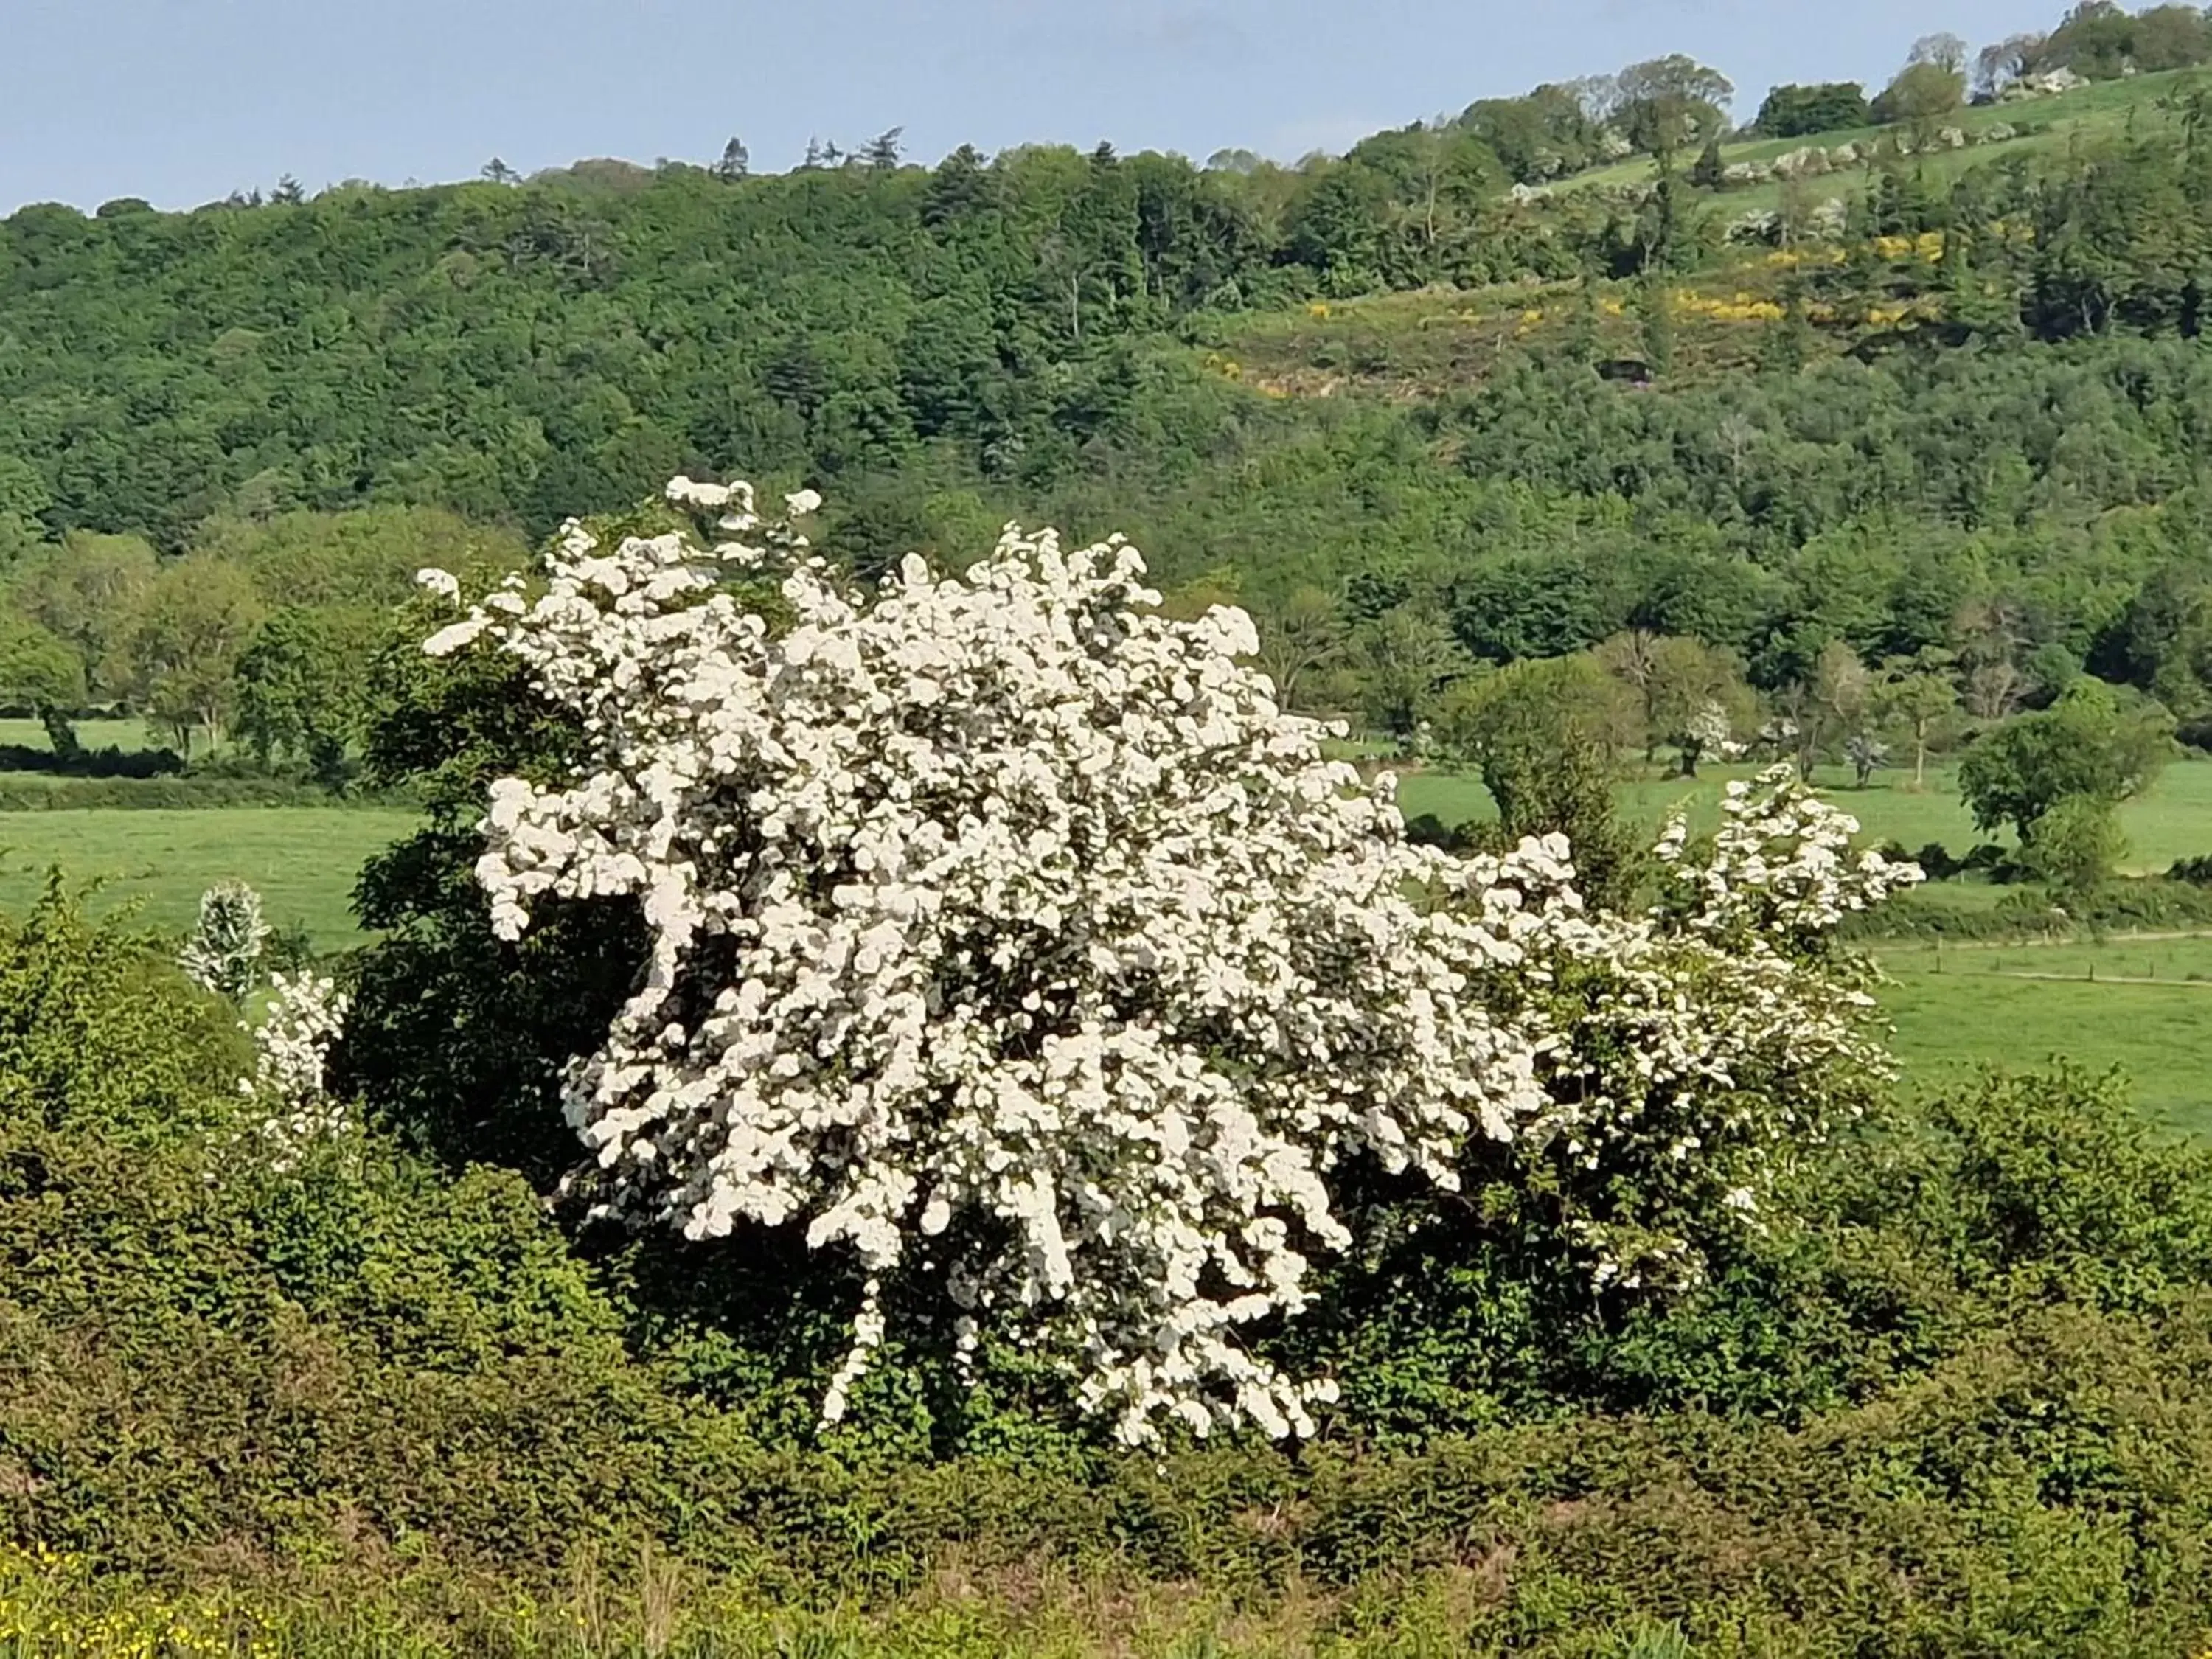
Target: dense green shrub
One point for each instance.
(2089, 745)
(2132, 905)
(1792, 112)
(200, 1352)
(1956, 1405)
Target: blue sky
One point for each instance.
(182, 102)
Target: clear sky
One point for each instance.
(182, 102)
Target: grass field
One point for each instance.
(303, 859)
(2020, 1004)
(2141, 1005)
(155, 864)
(2017, 1004)
(93, 734)
(2102, 110)
(2174, 821)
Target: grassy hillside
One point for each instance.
(2102, 111)
(1417, 345)
(156, 863)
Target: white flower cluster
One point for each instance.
(1711, 732)
(224, 952)
(1704, 1045)
(1780, 871)
(292, 1044)
(1007, 932)
(2050, 84)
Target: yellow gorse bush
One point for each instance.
(1927, 248)
(1739, 307)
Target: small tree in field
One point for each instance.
(1918, 695)
(40, 671)
(1008, 940)
(2086, 744)
(1867, 754)
(1708, 732)
(1546, 735)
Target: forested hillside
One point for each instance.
(1958, 408)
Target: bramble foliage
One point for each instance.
(96, 1039)
(1951, 1405)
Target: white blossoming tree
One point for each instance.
(1007, 936)
(291, 1050)
(1706, 732)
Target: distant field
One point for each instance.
(93, 734)
(157, 863)
(1967, 1007)
(303, 859)
(2099, 110)
(2144, 1006)
(2174, 821)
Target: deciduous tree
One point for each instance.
(2088, 744)
(1918, 695)
(302, 689)
(39, 673)
(1666, 103)
(181, 649)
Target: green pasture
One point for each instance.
(302, 859)
(2142, 1005)
(2172, 821)
(2102, 110)
(93, 734)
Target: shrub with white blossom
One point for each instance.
(1707, 1044)
(1006, 934)
(1708, 728)
(291, 1049)
(225, 951)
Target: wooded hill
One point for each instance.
(1960, 406)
